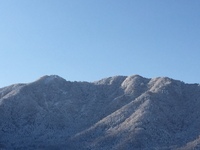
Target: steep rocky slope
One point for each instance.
(114, 113)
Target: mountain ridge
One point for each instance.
(120, 112)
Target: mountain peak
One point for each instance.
(111, 80)
(50, 78)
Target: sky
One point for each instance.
(87, 40)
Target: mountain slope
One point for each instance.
(114, 113)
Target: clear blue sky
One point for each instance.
(86, 40)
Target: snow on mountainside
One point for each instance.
(113, 113)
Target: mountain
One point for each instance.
(115, 113)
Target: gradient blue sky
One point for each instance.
(86, 40)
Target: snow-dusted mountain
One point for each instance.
(116, 113)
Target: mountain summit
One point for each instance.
(115, 113)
